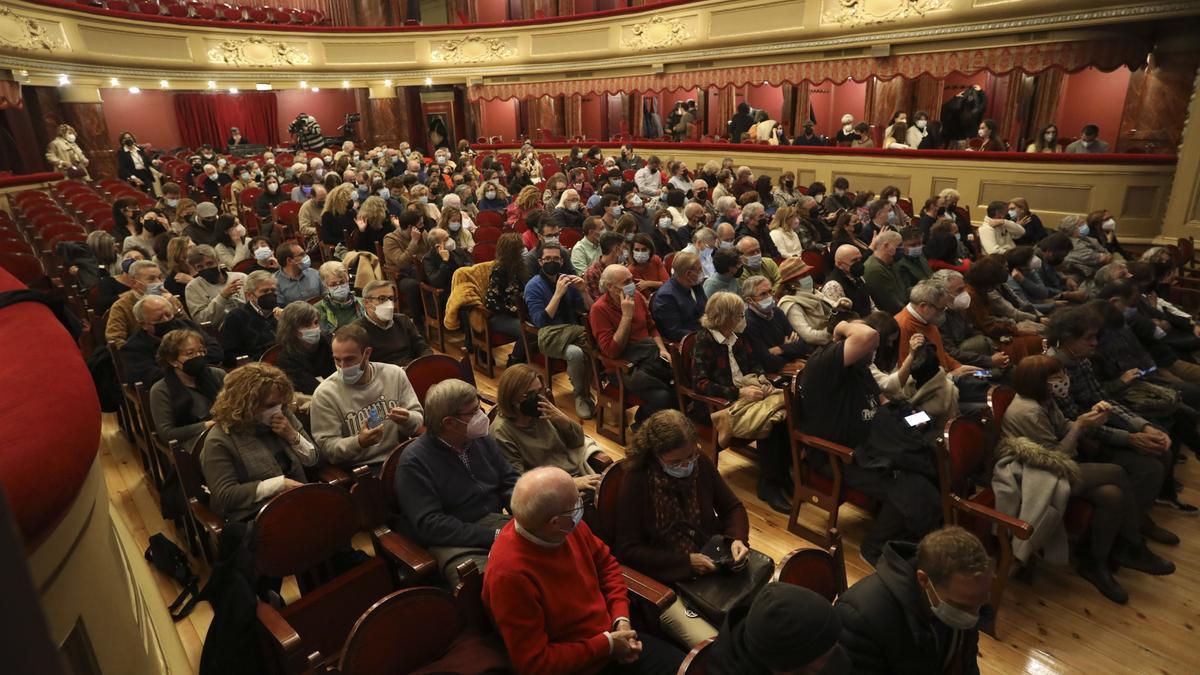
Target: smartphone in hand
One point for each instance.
(373, 418)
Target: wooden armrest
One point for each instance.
(211, 522)
(404, 551)
(285, 640)
(599, 461)
(333, 475)
(716, 402)
(834, 450)
(648, 589)
(1015, 526)
(616, 365)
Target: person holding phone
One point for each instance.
(533, 432)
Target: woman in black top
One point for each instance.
(305, 353)
(125, 214)
(180, 402)
(371, 225)
(133, 166)
(505, 288)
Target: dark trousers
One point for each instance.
(775, 458)
(910, 506)
(658, 657)
(656, 395)
(1146, 474)
(411, 290)
(1115, 511)
(511, 326)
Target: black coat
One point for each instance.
(962, 114)
(126, 167)
(138, 355)
(303, 368)
(246, 333)
(887, 626)
(764, 333)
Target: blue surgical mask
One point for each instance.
(616, 211)
(1084, 230)
(351, 374)
(126, 264)
(806, 284)
(155, 288)
(629, 289)
(891, 217)
(310, 336)
(766, 304)
(754, 261)
(340, 292)
(679, 471)
(172, 203)
(385, 193)
(305, 263)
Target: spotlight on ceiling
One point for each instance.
(135, 90)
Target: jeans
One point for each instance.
(656, 395)
(510, 326)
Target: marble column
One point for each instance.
(84, 109)
(1182, 218)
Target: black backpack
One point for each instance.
(172, 561)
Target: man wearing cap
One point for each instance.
(556, 593)
(919, 612)
(203, 230)
(787, 629)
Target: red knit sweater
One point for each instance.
(552, 606)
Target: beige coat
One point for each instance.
(62, 154)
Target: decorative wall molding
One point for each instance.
(656, 33)
(472, 49)
(257, 51)
(18, 31)
(851, 13)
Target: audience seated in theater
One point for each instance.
(147, 229)
(917, 379)
(568, 212)
(231, 247)
(753, 223)
(403, 250)
(547, 232)
(841, 401)
(649, 179)
(504, 290)
(587, 249)
(453, 221)
(532, 432)
(271, 197)
(960, 339)
(912, 266)
(881, 217)
(666, 238)
(1087, 255)
(181, 402)
(296, 279)
(256, 448)
(919, 612)
(1037, 436)
(679, 303)
(881, 275)
(442, 259)
(786, 629)
(249, 329)
(1089, 141)
(147, 279)
(998, 234)
(304, 349)
(1018, 212)
(264, 256)
(492, 197)
(455, 513)
(667, 481)
(200, 224)
(118, 281)
(214, 180)
(556, 593)
(846, 279)
(557, 302)
(1047, 140)
(723, 365)
(156, 317)
(311, 214)
(1104, 229)
(394, 338)
(306, 182)
(727, 267)
(703, 243)
(649, 272)
(367, 408)
(338, 216)
(338, 306)
(178, 272)
(1142, 320)
(772, 340)
(371, 225)
(528, 199)
(621, 323)
(755, 263)
(929, 302)
(215, 291)
(845, 231)
(613, 251)
(1025, 280)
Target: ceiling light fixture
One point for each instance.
(212, 84)
(303, 84)
(164, 84)
(233, 90)
(316, 90)
(345, 84)
(135, 90)
(114, 81)
(387, 83)
(63, 79)
(429, 82)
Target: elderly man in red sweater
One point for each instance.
(556, 593)
(922, 315)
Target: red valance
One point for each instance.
(1068, 56)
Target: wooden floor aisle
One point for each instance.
(1058, 625)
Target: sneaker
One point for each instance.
(1183, 508)
(585, 408)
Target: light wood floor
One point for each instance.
(1058, 625)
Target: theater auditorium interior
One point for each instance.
(599, 336)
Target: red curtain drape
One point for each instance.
(206, 118)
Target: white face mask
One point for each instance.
(450, 245)
(893, 199)
(961, 301)
(385, 310)
(70, 138)
(641, 257)
(982, 133)
(1049, 137)
(664, 223)
(266, 415)
(921, 124)
(1109, 225)
(847, 128)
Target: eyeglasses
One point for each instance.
(571, 513)
(380, 298)
(192, 353)
(683, 463)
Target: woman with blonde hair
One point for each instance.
(185, 215)
(372, 224)
(452, 222)
(533, 432)
(492, 196)
(338, 216)
(178, 272)
(783, 232)
(669, 491)
(256, 447)
(527, 200)
(422, 195)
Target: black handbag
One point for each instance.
(715, 595)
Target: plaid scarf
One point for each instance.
(675, 502)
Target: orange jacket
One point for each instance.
(909, 325)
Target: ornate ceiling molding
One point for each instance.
(472, 49)
(257, 51)
(656, 33)
(21, 32)
(851, 13)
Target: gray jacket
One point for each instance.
(235, 462)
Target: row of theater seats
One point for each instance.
(214, 11)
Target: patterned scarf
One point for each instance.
(675, 502)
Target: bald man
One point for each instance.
(557, 594)
(846, 279)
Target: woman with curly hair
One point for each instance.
(527, 200)
(256, 448)
(338, 216)
(506, 287)
(372, 224)
(669, 491)
(452, 222)
(305, 352)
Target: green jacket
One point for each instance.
(884, 284)
(912, 270)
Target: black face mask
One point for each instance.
(161, 329)
(856, 270)
(552, 268)
(212, 275)
(266, 302)
(128, 142)
(529, 405)
(194, 367)
(153, 227)
(208, 223)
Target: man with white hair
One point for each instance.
(753, 223)
(704, 242)
(339, 306)
(557, 594)
(214, 292)
(621, 323)
(453, 481)
(147, 280)
(453, 200)
(213, 182)
(755, 263)
(249, 330)
(727, 210)
(882, 279)
(316, 165)
(961, 340)
(156, 317)
(923, 315)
